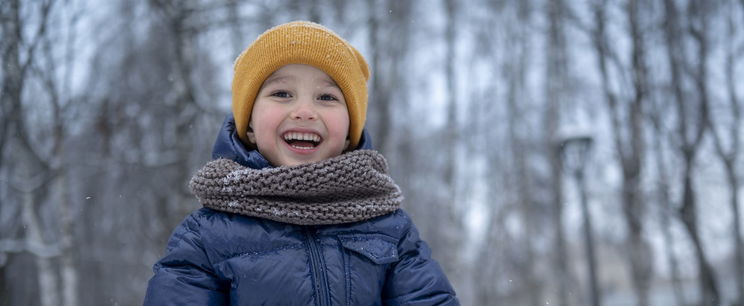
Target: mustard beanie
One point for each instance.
(300, 42)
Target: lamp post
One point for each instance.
(575, 151)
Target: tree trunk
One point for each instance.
(516, 77)
(669, 240)
(12, 81)
(595, 292)
(378, 95)
(67, 266)
(666, 208)
(314, 11)
(46, 276)
(562, 275)
(708, 285)
(733, 183)
(697, 30)
(451, 124)
(640, 252)
(627, 132)
(555, 97)
(238, 39)
(730, 158)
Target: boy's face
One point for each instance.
(299, 116)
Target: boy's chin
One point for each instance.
(289, 160)
(289, 156)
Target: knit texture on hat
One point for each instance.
(300, 42)
(347, 188)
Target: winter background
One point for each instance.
(509, 124)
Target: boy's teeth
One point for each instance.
(302, 136)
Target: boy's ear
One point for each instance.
(251, 135)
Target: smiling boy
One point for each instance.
(297, 209)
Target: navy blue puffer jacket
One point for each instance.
(218, 258)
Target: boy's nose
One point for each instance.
(304, 111)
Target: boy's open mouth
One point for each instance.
(302, 141)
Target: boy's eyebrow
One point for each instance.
(329, 82)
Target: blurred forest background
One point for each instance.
(552, 152)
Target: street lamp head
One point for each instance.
(575, 151)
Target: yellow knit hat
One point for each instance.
(300, 42)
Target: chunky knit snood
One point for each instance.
(347, 188)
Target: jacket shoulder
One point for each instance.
(226, 235)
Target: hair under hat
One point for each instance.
(300, 42)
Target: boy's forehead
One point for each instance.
(295, 72)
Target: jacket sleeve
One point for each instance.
(184, 276)
(416, 278)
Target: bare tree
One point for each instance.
(730, 154)
(515, 72)
(239, 41)
(663, 181)
(379, 103)
(453, 130)
(388, 39)
(39, 174)
(692, 115)
(310, 9)
(488, 275)
(54, 75)
(146, 129)
(10, 102)
(640, 251)
(627, 131)
(556, 95)
(186, 103)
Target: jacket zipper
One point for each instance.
(318, 270)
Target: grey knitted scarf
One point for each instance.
(347, 188)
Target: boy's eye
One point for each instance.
(327, 97)
(281, 94)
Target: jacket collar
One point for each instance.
(229, 146)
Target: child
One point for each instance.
(297, 210)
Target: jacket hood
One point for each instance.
(229, 146)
